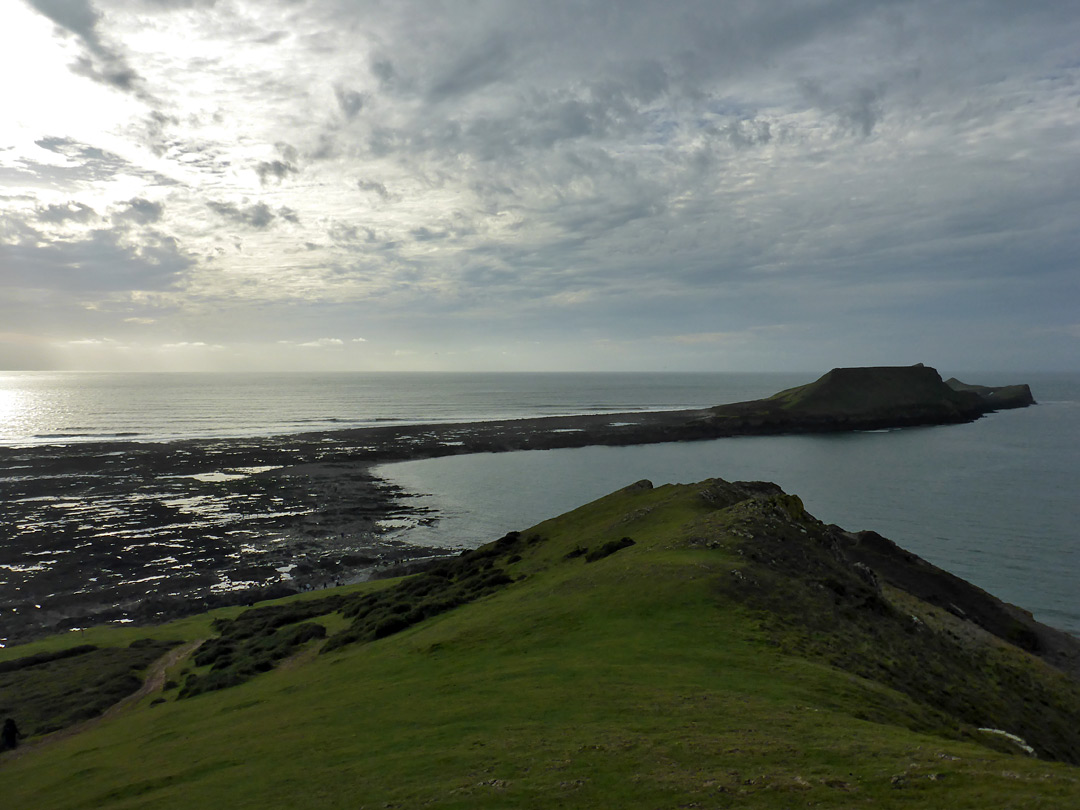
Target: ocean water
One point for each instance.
(995, 501)
(70, 407)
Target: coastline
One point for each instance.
(143, 532)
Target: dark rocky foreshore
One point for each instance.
(145, 532)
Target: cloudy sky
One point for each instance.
(501, 184)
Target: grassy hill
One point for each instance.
(736, 653)
(867, 398)
(847, 391)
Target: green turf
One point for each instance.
(638, 680)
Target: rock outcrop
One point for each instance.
(996, 398)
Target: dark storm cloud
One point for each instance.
(101, 62)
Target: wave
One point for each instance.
(125, 434)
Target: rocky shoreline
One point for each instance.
(132, 532)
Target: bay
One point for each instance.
(994, 501)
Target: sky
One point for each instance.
(729, 185)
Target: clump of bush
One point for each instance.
(46, 657)
(234, 659)
(257, 639)
(50, 691)
(608, 549)
(451, 583)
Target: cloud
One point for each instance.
(383, 70)
(320, 343)
(858, 109)
(94, 342)
(349, 101)
(85, 165)
(71, 212)
(347, 234)
(139, 211)
(425, 234)
(483, 64)
(274, 170)
(185, 345)
(372, 185)
(573, 173)
(258, 215)
(103, 260)
(101, 62)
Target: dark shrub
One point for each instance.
(45, 658)
(608, 549)
(495, 579)
(508, 540)
(389, 626)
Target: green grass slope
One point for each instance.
(729, 657)
(849, 391)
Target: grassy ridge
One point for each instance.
(645, 678)
(845, 391)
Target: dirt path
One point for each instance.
(154, 681)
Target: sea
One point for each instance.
(996, 501)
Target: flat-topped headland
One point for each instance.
(141, 531)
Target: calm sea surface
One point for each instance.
(69, 407)
(996, 501)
